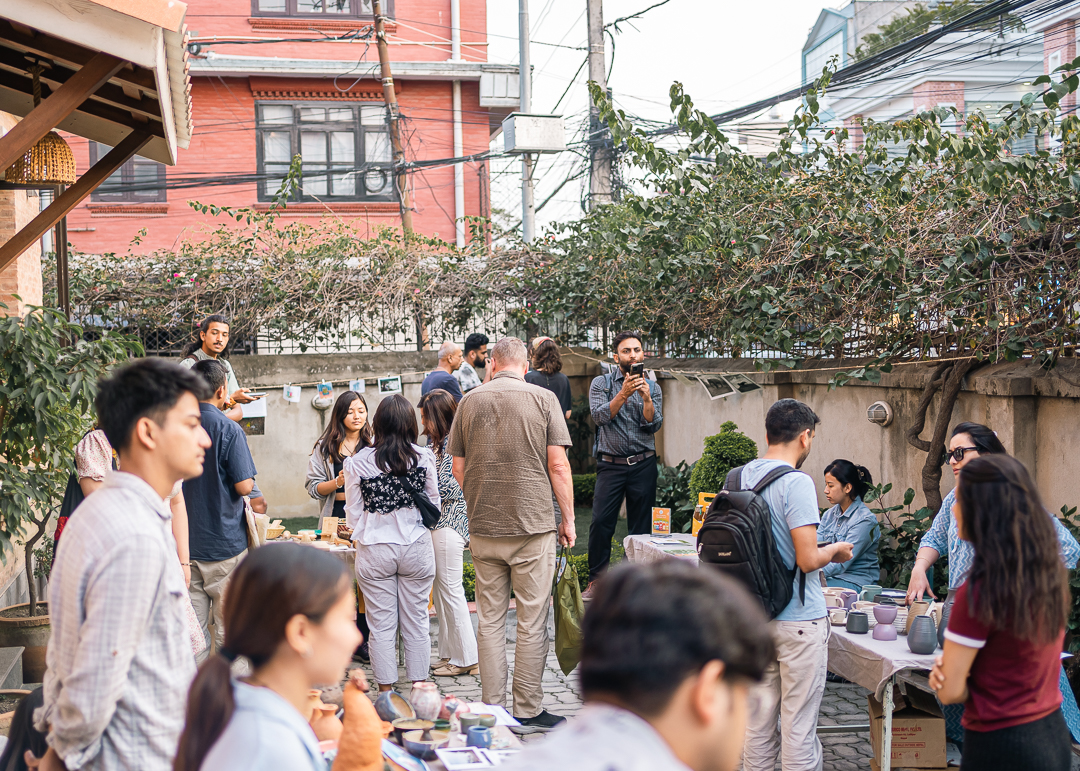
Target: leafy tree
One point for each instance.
(917, 21)
(47, 390)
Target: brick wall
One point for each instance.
(855, 132)
(23, 276)
(1060, 39)
(940, 93)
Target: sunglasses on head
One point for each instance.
(956, 455)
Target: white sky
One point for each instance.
(726, 54)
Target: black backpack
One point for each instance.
(737, 539)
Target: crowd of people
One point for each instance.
(178, 647)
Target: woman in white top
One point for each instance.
(289, 611)
(395, 559)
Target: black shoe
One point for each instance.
(542, 723)
(361, 654)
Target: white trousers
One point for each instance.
(457, 641)
(784, 706)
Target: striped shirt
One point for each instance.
(119, 657)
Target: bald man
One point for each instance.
(450, 358)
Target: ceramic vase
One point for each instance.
(426, 701)
(391, 705)
(945, 611)
(922, 636)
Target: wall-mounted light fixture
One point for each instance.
(880, 413)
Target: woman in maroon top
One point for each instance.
(1005, 633)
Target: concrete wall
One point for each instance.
(1036, 415)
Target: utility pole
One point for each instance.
(599, 138)
(528, 206)
(400, 180)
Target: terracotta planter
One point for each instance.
(33, 635)
(5, 718)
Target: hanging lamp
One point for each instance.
(49, 162)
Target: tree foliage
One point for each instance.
(917, 21)
(47, 390)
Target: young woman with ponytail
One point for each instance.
(289, 611)
(851, 521)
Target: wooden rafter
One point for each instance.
(73, 196)
(64, 101)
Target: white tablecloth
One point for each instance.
(649, 548)
(869, 662)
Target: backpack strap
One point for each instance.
(733, 481)
(771, 477)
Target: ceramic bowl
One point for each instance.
(885, 614)
(418, 747)
(403, 724)
(884, 631)
(391, 706)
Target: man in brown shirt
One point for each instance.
(508, 441)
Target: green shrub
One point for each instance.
(582, 433)
(673, 492)
(723, 452)
(468, 580)
(901, 532)
(584, 489)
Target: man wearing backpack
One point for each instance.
(793, 685)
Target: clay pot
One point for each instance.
(32, 634)
(451, 705)
(426, 701)
(922, 636)
(5, 718)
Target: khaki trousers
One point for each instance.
(207, 591)
(526, 563)
(784, 713)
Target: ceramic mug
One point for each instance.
(833, 601)
(858, 622)
(848, 597)
(863, 605)
(870, 592)
(837, 616)
(479, 736)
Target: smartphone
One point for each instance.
(637, 370)
(256, 394)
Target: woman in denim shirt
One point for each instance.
(850, 520)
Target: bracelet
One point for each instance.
(185, 564)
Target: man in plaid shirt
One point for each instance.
(119, 658)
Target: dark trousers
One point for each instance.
(614, 481)
(1042, 745)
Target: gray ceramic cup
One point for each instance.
(858, 622)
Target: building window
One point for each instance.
(344, 150)
(321, 9)
(137, 181)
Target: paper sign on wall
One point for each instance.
(357, 386)
(291, 393)
(326, 388)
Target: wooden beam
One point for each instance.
(127, 118)
(55, 48)
(73, 196)
(59, 74)
(64, 101)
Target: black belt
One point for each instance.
(628, 461)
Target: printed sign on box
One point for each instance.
(661, 521)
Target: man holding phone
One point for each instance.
(626, 407)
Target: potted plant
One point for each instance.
(48, 381)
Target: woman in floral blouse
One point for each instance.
(457, 642)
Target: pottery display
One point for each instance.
(858, 622)
(885, 614)
(922, 635)
(450, 705)
(870, 592)
(422, 744)
(360, 747)
(945, 611)
(884, 631)
(478, 736)
(391, 705)
(401, 725)
(426, 700)
(837, 616)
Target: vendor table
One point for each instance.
(651, 548)
(876, 665)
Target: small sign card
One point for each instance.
(329, 528)
(326, 388)
(357, 385)
(661, 522)
(291, 393)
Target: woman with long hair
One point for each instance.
(1005, 633)
(547, 371)
(850, 520)
(347, 432)
(395, 561)
(289, 612)
(457, 642)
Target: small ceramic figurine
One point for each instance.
(360, 747)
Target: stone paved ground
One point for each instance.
(843, 703)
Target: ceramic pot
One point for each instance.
(858, 622)
(424, 748)
(426, 700)
(848, 597)
(884, 631)
(326, 724)
(922, 636)
(391, 705)
(404, 724)
(945, 611)
(918, 608)
(450, 705)
(32, 634)
(479, 736)
(870, 592)
(885, 614)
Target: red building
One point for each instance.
(275, 78)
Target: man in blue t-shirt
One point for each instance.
(442, 376)
(784, 727)
(217, 527)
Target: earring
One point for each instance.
(308, 653)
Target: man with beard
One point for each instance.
(626, 407)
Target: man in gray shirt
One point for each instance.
(119, 658)
(667, 660)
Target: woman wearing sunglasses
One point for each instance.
(970, 441)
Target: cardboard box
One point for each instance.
(874, 766)
(918, 732)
